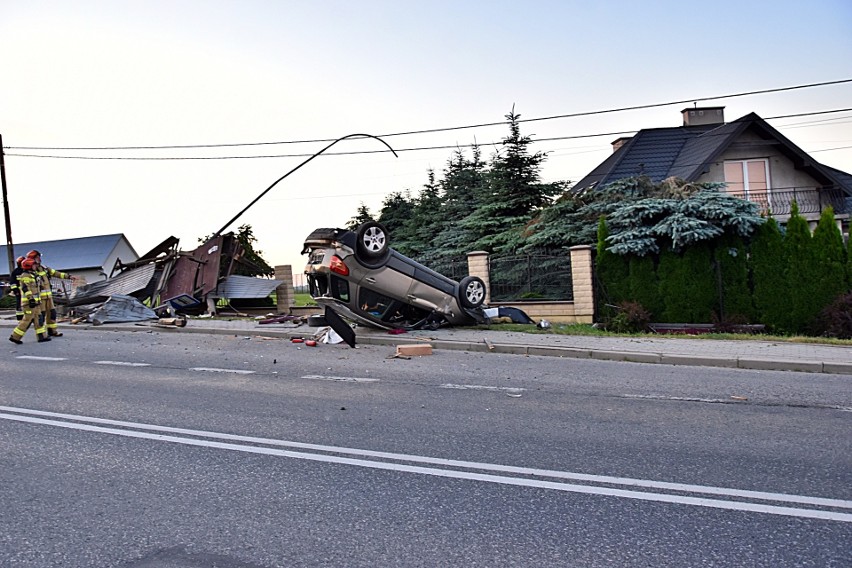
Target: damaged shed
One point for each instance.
(173, 281)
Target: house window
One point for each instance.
(749, 179)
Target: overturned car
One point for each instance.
(357, 275)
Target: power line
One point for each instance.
(360, 152)
(448, 129)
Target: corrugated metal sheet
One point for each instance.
(126, 283)
(246, 287)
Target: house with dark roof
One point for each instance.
(91, 259)
(753, 159)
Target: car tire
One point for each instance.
(471, 292)
(373, 240)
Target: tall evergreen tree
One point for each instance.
(426, 220)
(362, 216)
(731, 263)
(462, 184)
(799, 272)
(644, 284)
(513, 196)
(396, 212)
(769, 288)
(612, 272)
(829, 278)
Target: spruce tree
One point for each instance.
(513, 195)
(362, 216)
(426, 221)
(461, 186)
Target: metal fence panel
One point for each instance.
(543, 275)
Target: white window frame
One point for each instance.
(744, 168)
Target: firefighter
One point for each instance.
(28, 286)
(45, 273)
(15, 289)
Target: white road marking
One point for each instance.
(144, 431)
(36, 358)
(123, 363)
(342, 379)
(215, 370)
(482, 387)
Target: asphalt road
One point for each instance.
(156, 450)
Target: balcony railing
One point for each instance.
(810, 200)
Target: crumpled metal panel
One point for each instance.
(127, 283)
(236, 286)
(119, 308)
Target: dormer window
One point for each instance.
(749, 179)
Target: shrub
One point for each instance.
(631, 318)
(836, 319)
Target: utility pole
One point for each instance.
(9, 252)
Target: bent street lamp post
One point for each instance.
(256, 199)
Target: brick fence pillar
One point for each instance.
(582, 282)
(285, 294)
(477, 265)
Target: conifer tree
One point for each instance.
(767, 265)
(799, 272)
(735, 299)
(427, 219)
(513, 195)
(462, 184)
(673, 278)
(362, 216)
(687, 285)
(612, 272)
(829, 278)
(644, 284)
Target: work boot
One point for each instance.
(14, 340)
(43, 338)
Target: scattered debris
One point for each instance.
(739, 397)
(413, 350)
(119, 308)
(281, 319)
(178, 282)
(488, 344)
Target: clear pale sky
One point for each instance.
(106, 74)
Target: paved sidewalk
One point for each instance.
(765, 355)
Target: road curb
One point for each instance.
(507, 348)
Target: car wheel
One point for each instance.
(471, 292)
(373, 240)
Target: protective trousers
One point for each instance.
(31, 316)
(49, 313)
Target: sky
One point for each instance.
(251, 88)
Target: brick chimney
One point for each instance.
(619, 142)
(699, 116)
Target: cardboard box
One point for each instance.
(413, 350)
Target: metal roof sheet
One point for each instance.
(236, 286)
(72, 254)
